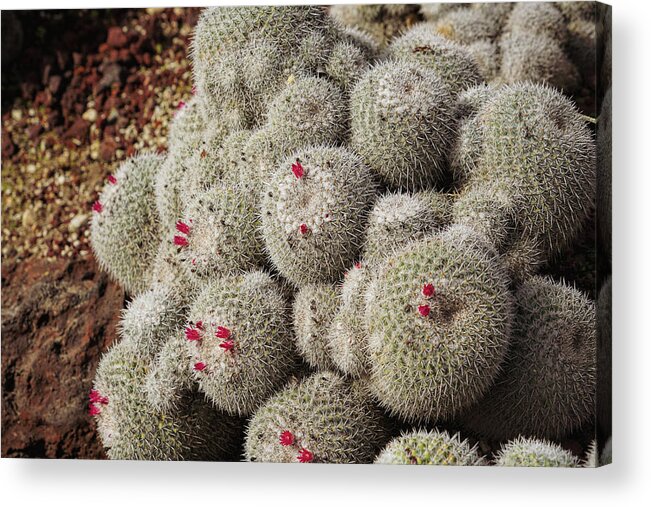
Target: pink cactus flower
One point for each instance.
(286, 438)
(424, 310)
(428, 290)
(305, 456)
(97, 207)
(298, 170)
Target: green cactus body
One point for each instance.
(188, 122)
(152, 317)
(439, 305)
(314, 212)
(309, 111)
(452, 62)
(243, 56)
(205, 165)
(169, 380)
(429, 448)
(314, 308)
(402, 124)
(347, 64)
(526, 452)
(130, 428)
(537, 150)
(547, 388)
(241, 342)
(330, 418)
(125, 229)
(397, 219)
(219, 233)
(347, 338)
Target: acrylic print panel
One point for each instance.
(308, 234)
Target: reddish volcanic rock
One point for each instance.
(57, 318)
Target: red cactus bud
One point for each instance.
(428, 290)
(94, 396)
(227, 345)
(97, 207)
(180, 241)
(191, 334)
(303, 228)
(199, 325)
(223, 332)
(93, 409)
(298, 170)
(103, 400)
(199, 366)
(112, 179)
(180, 105)
(424, 310)
(286, 438)
(305, 456)
(182, 227)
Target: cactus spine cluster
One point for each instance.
(343, 242)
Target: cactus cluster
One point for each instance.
(339, 258)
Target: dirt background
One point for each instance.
(81, 91)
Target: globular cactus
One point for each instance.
(383, 22)
(452, 62)
(153, 316)
(346, 64)
(188, 121)
(347, 337)
(322, 419)
(537, 58)
(131, 428)
(125, 230)
(169, 380)
(396, 219)
(471, 24)
(402, 124)
(242, 56)
(529, 452)
(241, 342)
(309, 111)
(429, 448)
(218, 234)
(538, 18)
(314, 308)
(439, 305)
(536, 148)
(172, 181)
(547, 388)
(314, 211)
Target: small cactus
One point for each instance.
(429, 448)
(125, 230)
(529, 452)
(402, 124)
(323, 419)
(314, 211)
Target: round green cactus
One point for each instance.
(131, 428)
(397, 219)
(153, 316)
(314, 308)
(242, 56)
(309, 111)
(547, 388)
(125, 230)
(429, 448)
(323, 419)
(219, 233)
(537, 149)
(241, 341)
(439, 305)
(452, 62)
(529, 452)
(347, 338)
(314, 211)
(402, 124)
